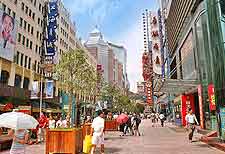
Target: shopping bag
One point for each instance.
(87, 144)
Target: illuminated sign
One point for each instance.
(211, 94)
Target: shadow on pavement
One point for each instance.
(114, 138)
(112, 150)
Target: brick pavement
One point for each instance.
(153, 141)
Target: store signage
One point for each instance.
(51, 28)
(211, 94)
(200, 106)
(222, 118)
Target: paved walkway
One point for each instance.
(153, 141)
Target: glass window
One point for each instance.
(22, 6)
(25, 25)
(25, 62)
(23, 41)
(39, 7)
(17, 57)
(28, 28)
(21, 60)
(32, 30)
(26, 82)
(19, 37)
(26, 10)
(33, 16)
(9, 11)
(36, 48)
(27, 44)
(29, 63)
(30, 13)
(14, 15)
(18, 79)
(31, 45)
(35, 2)
(37, 36)
(4, 77)
(21, 22)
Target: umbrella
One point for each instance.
(122, 118)
(17, 120)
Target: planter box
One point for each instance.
(111, 125)
(64, 141)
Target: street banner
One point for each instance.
(211, 94)
(200, 106)
(7, 36)
(222, 118)
(34, 90)
(49, 89)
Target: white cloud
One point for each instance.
(97, 9)
(132, 39)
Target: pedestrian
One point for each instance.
(43, 122)
(136, 123)
(51, 122)
(97, 126)
(157, 117)
(59, 123)
(162, 119)
(153, 118)
(20, 138)
(128, 126)
(191, 120)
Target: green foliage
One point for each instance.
(74, 73)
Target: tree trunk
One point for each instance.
(76, 111)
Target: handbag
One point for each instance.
(87, 144)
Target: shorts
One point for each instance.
(97, 140)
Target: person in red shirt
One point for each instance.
(43, 122)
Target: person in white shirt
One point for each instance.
(59, 123)
(98, 132)
(51, 122)
(191, 120)
(162, 119)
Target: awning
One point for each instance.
(175, 86)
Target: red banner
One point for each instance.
(212, 101)
(200, 106)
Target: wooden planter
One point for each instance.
(111, 125)
(64, 141)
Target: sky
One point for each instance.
(120, 22)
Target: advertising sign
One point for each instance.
(222, 117)
(7, 36)
(51, 28)
(34, 90)
(211, 94)
(49, 88)
(200, 106)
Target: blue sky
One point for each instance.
(120, 21)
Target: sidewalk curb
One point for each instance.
(220, 146)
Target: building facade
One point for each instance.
(197, 57)
(110, 57)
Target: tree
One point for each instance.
(76, 76)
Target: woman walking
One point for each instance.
(191, 120)
(20, 138)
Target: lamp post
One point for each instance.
(41, 87)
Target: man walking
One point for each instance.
(98, 132)
(162, 119)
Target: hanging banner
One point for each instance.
(51, 28)
(222, 118)
(200, 106)
(7, 36)
(211, 94)
(34, 90)
(49, 88)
